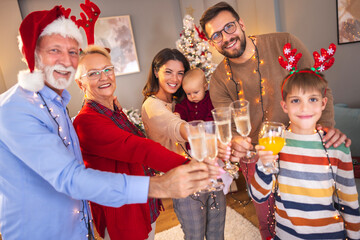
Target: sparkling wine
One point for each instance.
(274, 144)
(211, 144)
(198, 147)
(243, 126)
(224, 131)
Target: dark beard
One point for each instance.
(237, 53)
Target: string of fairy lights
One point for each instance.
(241, 96)
(85, 217)
(239, 84)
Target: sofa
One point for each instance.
(348, 121)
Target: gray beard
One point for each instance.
(60, 83)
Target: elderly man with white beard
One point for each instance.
(42, 176)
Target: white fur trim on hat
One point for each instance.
(31, 81)
(65, 27)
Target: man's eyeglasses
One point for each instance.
(229, 29)
(96, 74)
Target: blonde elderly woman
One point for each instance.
(110, 142)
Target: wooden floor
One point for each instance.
(234, 200)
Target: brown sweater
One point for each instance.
(270, 47)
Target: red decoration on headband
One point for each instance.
(326, 59)
(93, 12)
(322, 62)
(291, 64)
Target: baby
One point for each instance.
(197, 104)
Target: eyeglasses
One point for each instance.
(229, 29)
(96, 74)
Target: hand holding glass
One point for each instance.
(212, 150)
(271, 136)
(241, 113)
(222, 118)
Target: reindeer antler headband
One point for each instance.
(92, 11)
(323, 61)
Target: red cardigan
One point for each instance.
(106, 147)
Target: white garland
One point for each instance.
(195, 49)
(134, 116)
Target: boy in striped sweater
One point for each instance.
(315, 192)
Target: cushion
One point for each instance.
(348, 121)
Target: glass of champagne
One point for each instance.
(271, 136)
(212, 151)
(241, 114)
(222, 118)
(196, 137)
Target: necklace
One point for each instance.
(240, 92)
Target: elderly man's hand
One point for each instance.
(334, 137)
(180, 182)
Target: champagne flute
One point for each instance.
(222, 118)
(196, 138)
(271, 136)
(241, 114)
(212, 151)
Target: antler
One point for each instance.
(326, 59)
(65, 12)
(93, 12)
(291, 57)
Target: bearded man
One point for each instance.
(42, 176)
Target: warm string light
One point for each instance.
(336, 190)
(50, 111)
(85, 216)
(239, 84)
(214, 205)
(87, 220)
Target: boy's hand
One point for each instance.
(334, 137)
(266, 157)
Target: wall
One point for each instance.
(10, 57)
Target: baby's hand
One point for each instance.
(177, 114)
(266, 157)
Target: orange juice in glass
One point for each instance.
(274, 144)
(271, 136)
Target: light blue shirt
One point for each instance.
(42, 181)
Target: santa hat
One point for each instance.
(34, 26)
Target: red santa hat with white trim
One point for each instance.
(34, 26)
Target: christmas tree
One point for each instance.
(193, 44)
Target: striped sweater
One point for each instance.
(304, 205)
